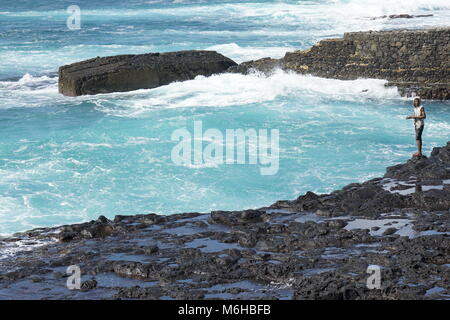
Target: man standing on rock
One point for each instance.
(419, 117)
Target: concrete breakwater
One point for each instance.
(416, 61)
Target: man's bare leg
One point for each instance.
(419, 148)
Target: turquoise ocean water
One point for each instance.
(66, 160)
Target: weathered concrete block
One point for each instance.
(143, 71)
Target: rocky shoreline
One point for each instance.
(313, 247)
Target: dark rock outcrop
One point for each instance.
(437, 166)
(99, 228)
(142, 71)
(416, 61)
(376, 196)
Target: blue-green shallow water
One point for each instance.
(65, 160)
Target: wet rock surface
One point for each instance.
(313, 247)
(140, 71)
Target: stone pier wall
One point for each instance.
(416, 61)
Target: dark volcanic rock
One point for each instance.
(389, 231)
(437, 166)
(88, 285)
(132, 270)
(143, 71)
(424, 174)
(236, 217)
(100, 228)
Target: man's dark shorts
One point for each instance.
(419, 130)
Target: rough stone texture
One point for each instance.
(143, 71)
(382, 195)
(314, 247)
(416, 61)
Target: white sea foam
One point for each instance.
(29, 82)
(14, 211)
(240, 54)
(228, 89)
(9, 249)
(220, 90)
(49, 60)
(339, 15)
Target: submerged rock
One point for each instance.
(402, 16)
